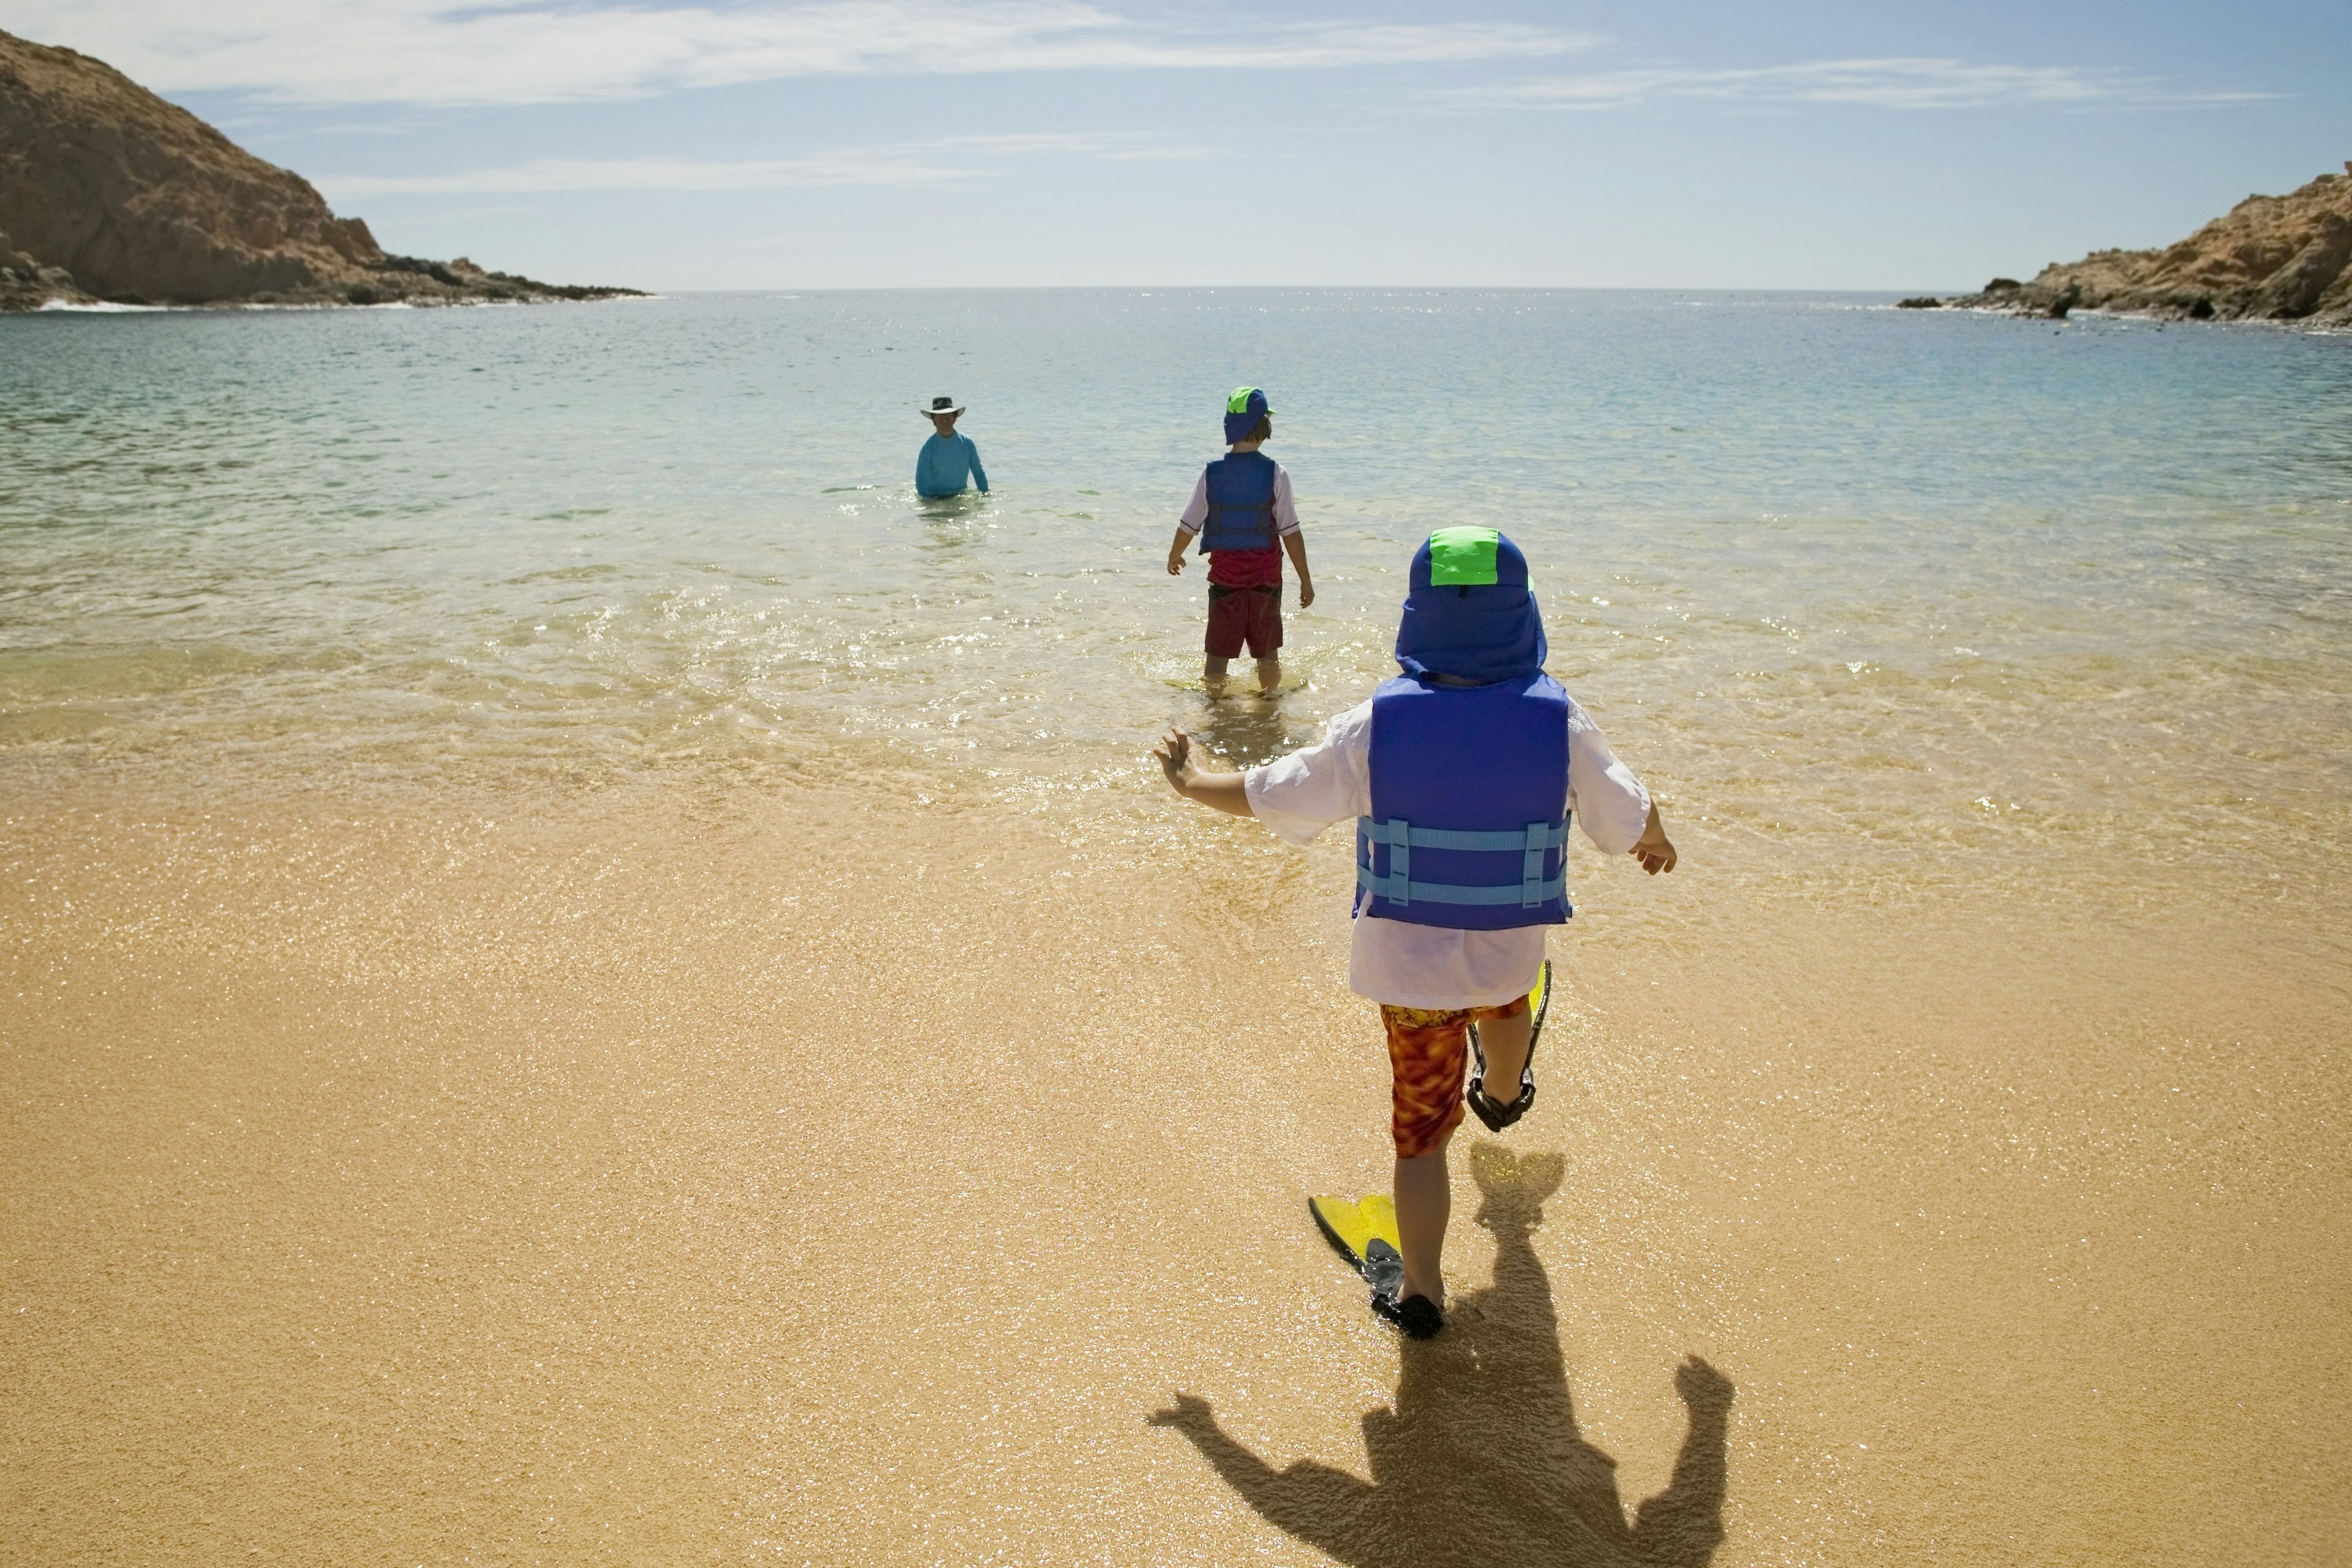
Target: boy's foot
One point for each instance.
(1417, 1315)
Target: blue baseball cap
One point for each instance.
(1243, 409)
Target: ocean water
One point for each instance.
(1878, 591)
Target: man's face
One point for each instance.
(944, 423)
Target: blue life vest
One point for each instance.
(1241, 503)
(1469, 825)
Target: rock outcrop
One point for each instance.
(2279, 259)
(108, 192)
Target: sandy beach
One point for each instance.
(759, 1174)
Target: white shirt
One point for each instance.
(1286, 514)
(1409, 965)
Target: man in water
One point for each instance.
(947, 460)
(1461, 775)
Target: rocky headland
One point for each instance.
(107, 193)
(2272, 259)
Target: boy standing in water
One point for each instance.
(1461, 775)
(947, 460)
(1240, 510)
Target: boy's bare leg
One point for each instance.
(1269, 676)
(1505, 1041)
(1424, 1201)
(1213, 675)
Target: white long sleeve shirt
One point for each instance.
(1410, 965)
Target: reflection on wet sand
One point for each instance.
(1242, 729)
(1480, 1459)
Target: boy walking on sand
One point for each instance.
(1462, 775)
(1241, 511)
(947, 460)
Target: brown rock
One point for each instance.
(2269, 258)
(137, 199)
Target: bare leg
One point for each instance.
(1505, 1041)
(1424, 1201)
(1213, 675)
(1269, 674)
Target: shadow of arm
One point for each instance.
(1321, 1506)
(1683, 1525)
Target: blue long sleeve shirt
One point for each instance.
(945, 462)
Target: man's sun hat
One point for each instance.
(939, 405)
(1243, 409)
(1470, 613)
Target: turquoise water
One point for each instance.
(1842, 580)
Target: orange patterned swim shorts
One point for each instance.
(1429, 1057)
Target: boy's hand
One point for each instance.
(1175, 754)
(1306, 592)
(1176, 561)
(1229, 793)
(1654, 850)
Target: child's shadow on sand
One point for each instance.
(1479, 1461)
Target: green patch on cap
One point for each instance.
(1462, 556)
(1239, 402)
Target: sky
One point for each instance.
(842, 143)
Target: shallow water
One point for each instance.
(591, 981)
(1857, 583)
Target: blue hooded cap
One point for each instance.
(1470, 613)
(1243, 409)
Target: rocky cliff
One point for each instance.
(2283, 258)
(108, 192)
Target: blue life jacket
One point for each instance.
(1469, 825)
(1241, 503)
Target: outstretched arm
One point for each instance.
(1324, 1506)
(1684, 1524)
(1193, 782)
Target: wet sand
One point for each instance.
(662, 1175)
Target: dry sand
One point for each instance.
(661, 1177)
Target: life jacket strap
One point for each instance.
(1530, 844)
(1511, 841)
(1451, 893)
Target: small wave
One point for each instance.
(104, 307)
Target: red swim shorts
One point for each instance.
(1245, 616)
(1429, 1057)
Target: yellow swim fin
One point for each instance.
(1352, 1225)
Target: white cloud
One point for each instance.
(918, 163)
(448, 52)
(1901, 83)
(852, 168)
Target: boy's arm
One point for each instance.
(1190, 779)
(1608, 799)
(1294, 543)
(1188, 523)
